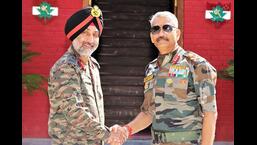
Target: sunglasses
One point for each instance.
(157, 29)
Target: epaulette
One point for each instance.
(95, 62)
(193, 57)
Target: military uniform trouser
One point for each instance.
(176, 138)
(75, 142)
(193, 142)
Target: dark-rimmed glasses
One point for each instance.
(156, 29)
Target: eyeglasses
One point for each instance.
(157, 29)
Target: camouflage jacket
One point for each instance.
(76, 102)
(179, 87)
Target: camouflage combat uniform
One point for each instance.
(179, 87)
(76, 102)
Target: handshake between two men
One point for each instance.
(118, 134)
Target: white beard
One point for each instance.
(85, 52)
(81, 50)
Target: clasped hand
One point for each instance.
(118, 135)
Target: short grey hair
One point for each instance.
(165, 14)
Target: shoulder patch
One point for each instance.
(151, 67)
(95, 62)
(148, 78)
(152, 63)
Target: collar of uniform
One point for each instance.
(94, 62)
(166, 58)
(83, 66)
(178, 57)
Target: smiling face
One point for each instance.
(87, 42)
(166, 38)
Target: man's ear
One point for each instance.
(151, 36)
(178, 32)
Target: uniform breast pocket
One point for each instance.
(180, 83)
(175, 88)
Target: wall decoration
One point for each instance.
(45, 11)
(218, 12)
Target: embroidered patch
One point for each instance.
(146, 79)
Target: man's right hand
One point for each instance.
(118, 135)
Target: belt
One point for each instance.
(166, 137)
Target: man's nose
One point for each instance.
(161, 33)
(89, 38)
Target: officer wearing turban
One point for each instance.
(75, 94)
(80, 21)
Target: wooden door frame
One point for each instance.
(179, 12)
(86, 3)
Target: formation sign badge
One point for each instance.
(218, 12)
(45, 11)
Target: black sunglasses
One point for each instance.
(157, 29)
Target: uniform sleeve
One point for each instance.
(148, 105)
(206, 77)
(65, 95)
